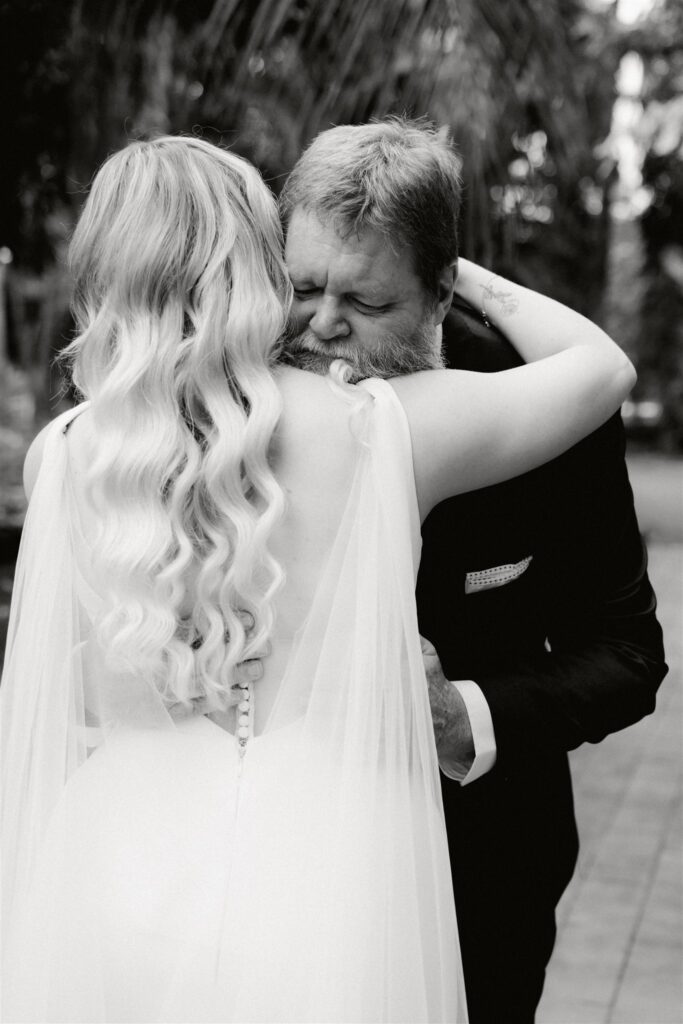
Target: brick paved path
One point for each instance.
(619, 954)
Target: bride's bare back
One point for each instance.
(313, 457)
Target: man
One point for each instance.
(533, 593)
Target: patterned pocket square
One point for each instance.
(487, 579)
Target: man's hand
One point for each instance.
(454, 742)
(250, 670)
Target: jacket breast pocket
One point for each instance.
(497, 576)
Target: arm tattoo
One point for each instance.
(507, 302)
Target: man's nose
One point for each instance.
(328, 321)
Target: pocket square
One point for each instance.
(487, 579)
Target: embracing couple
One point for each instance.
(222, 729)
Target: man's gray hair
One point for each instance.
(398, 177)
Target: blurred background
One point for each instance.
(568, 115)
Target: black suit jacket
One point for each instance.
(586, 592)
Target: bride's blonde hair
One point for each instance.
(181, 296)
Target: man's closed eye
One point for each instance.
(306, 293)
(366, 307)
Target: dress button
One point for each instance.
(243, 720)
(243, 732)
(243, 705)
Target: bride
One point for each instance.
(181, 844)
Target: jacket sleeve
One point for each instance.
(606, 656)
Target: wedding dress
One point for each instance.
(151, 873)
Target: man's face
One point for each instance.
(357, 299)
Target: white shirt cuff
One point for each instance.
(483, 735)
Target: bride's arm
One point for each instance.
(470, 430)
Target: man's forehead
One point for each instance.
(310, 223)
(313, 235)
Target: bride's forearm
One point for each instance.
(536, 325)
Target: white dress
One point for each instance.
(154, 875)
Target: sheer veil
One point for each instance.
(56, 704)
(357, 678)
(309, 882)
(44, 739)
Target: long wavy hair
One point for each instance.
(181, 297)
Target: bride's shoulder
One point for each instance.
(36, 452)
(308, 396)
(293, 381)
(314, 426)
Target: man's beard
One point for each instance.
(395, 355)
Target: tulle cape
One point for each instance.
(150, 874)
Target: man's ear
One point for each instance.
(447, 279)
